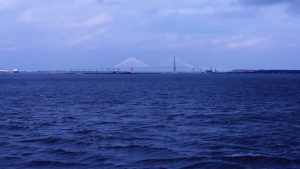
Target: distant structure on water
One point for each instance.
(133, 65)
(173, 65)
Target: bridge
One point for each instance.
(173, 64)
(132, 65)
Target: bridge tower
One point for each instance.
(131, 66)
(174, 64)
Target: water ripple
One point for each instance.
(150, 121)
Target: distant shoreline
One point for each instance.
(240, 71)
(266, 71)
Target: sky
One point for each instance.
(89, 34)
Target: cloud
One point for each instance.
(264, 2)
(10, 48)
(193, 27)
(292, 5)
(31, 16)
(207, 10)
(7, 3)
(95, 2)
(240, 41)
(53, 18)
(271, 2)
(91, 22)
(85, 37)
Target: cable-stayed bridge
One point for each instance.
(174, 64)
(132, 65)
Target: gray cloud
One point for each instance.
(260, 2)
(269, 2)
(79, 33)
(292, 5)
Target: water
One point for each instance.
(150, 121)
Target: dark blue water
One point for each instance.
(150, 121)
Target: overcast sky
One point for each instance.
(65, 34)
